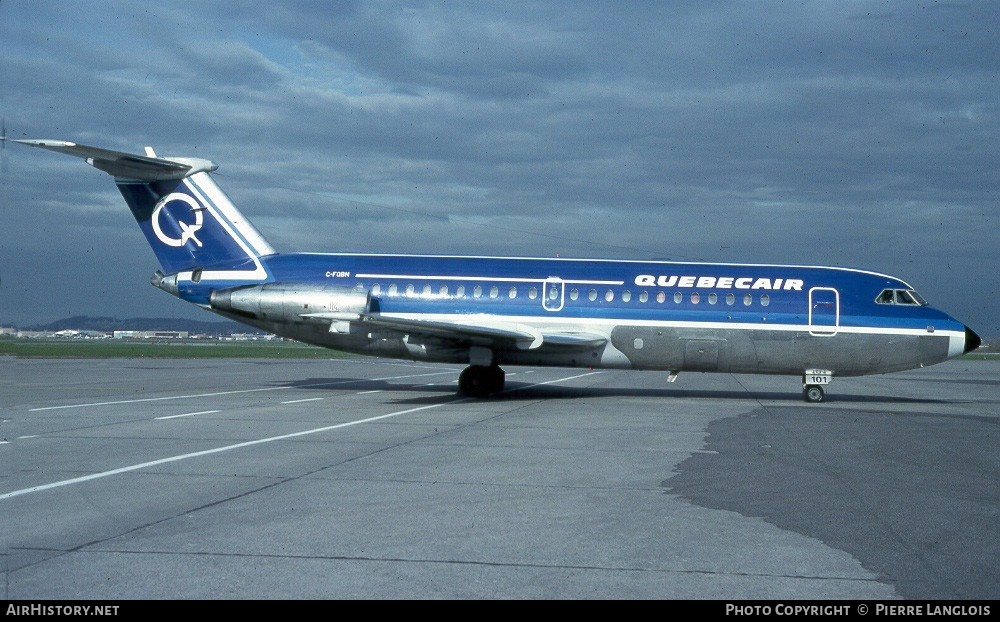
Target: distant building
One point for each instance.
(150, 334)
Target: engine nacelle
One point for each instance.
(292, 302)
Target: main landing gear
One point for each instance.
(481, 380)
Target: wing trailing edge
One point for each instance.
(487, 333)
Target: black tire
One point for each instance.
(813, 393)
(480, 381)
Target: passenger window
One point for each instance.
(376, 289)
(695, 298)
(678, 297)
(748, 300)
(533, 293)
(427, 290)
(626, 295)
(460, 291)
(660, 297)
(765, 300)
(592, 295)
(409, 290)
(609, 296)
(713, 298)
(574, 294)
(477, 292)
(443, 291)
(512, 293)
(643, 296)
(730, 299)
(494, 291)
(393, 289)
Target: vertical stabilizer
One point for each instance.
(191, 225)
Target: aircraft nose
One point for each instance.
(972, 340)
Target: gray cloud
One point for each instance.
(826, 133)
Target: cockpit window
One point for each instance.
(900, 297)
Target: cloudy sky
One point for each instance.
(859, 134)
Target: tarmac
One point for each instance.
(372, 479)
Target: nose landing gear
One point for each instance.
(812, 384)
(813, 393)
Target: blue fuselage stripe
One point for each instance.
(706, 292)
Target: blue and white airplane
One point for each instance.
(807, 321)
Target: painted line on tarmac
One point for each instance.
(308, 399)
(270, 439)
(234, 392)
(203, 412)
(538, 384)
(208, 452)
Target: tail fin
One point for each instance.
(187, 219)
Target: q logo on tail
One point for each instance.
(188, 230)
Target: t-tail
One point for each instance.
(193, 228)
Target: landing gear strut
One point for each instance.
(481, 380)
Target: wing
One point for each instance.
(485, 332)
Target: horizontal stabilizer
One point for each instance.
(127, 166)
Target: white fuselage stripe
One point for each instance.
(498, 279)
(605, 261)
(606, 325)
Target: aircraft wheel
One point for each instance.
(813, 393)
(480, 380)
(497, 379)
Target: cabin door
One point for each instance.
(824, 311)
(553, 290)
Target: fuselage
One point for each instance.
(655, 315)
(816, 322)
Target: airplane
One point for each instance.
(814, 322)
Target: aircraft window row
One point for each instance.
(886, 297)
(900, 297)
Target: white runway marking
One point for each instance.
(309, 399)
(207, 452)
(29, 436)
(203, 412)
(234, 392)
(368, 392)
(538, 384)
(271, 439)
